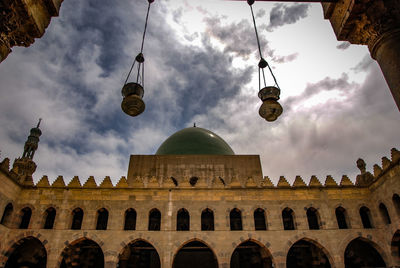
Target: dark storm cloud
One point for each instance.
(343, 46)
(286, 14)
(239, 39)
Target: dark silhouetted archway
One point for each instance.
(182, 220)
(236, 220)
(139, 254)
(154, 220)
(50, 216)
(27, 253)
(6, 218)
(360, 253)
(384, 213)
(365, 215)
(288, 219)
(305, 254)
(26, 214)
(251, 255)
(130, 219)
(195, 254)
(83, 253)
(77, 218)
(259, 220)
(313, 219)
(396, 203)
(207, 220)
(102, 219)
(341, 218)
(395, 246)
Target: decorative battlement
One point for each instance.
(236, 178)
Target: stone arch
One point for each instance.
(207, 220)
(288, 219)
(253, 253)
(102, 216)
(77, 215)
(395, 247)
(260, 219)
(204, 255)
(6, 218)
(396, 203)
(342, 217)
(366, 217)
(26, 252)
(313, 218)
(149, 256)
(154, 220)
(49, 216)
(235, 219)
(25, 217)
(319, 256)
(130, 217)
(182, 220)
(83, 251)
(362, 252)
(384, 213)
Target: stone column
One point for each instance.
(375, 23)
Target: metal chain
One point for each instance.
(141, 48)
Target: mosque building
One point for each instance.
(195, 203)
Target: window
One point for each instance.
(102, 219)
(365, 215)
(313, 219)
(341, 218)
(154, 220)
(6, 218)
(259, 219)
(207, 220)
(182, 220)
(26, 214)
(288, 219)
(384, 213)
(130, 219)
(77, 217)
(236, 220)
(50, 215)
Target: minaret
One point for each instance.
(24, 166)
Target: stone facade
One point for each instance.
(221, 186)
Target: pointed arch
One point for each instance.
(288, 219)
(307, 253)
(207, 220)
(139, 253)
(342, 218)
(49, 218)
(77, 219)
(313, 219)
(366, 218)
(396, 203)
(83, 252)
(182, 220)
(7, 215)
(154, 220)
(195, 254)
(361, 252)
(384, 214)
(259, 220)
(130, 219)
(27, 252)
(235, 217)
(102, 219)
(251, 254)
(26, 214)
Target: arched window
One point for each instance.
(130, 219)
(154, 220)
(207, 220)
(365, 215)
(259, 219)
(288, 219)
(384, 213)
(6, 218)
(26, 214)
(182, 220)
(396, 202)
(77, 217)
(236, 220)
(341, 218)
(313, 219)
(102, 219)
(50, 216)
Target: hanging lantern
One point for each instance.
(132, 92)
(270, 110)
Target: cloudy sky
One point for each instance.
(201, 66)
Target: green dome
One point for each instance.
(194, 140)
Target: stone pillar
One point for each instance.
(375, 23)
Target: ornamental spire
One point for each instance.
(32, 142)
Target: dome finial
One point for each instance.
(38, 124)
